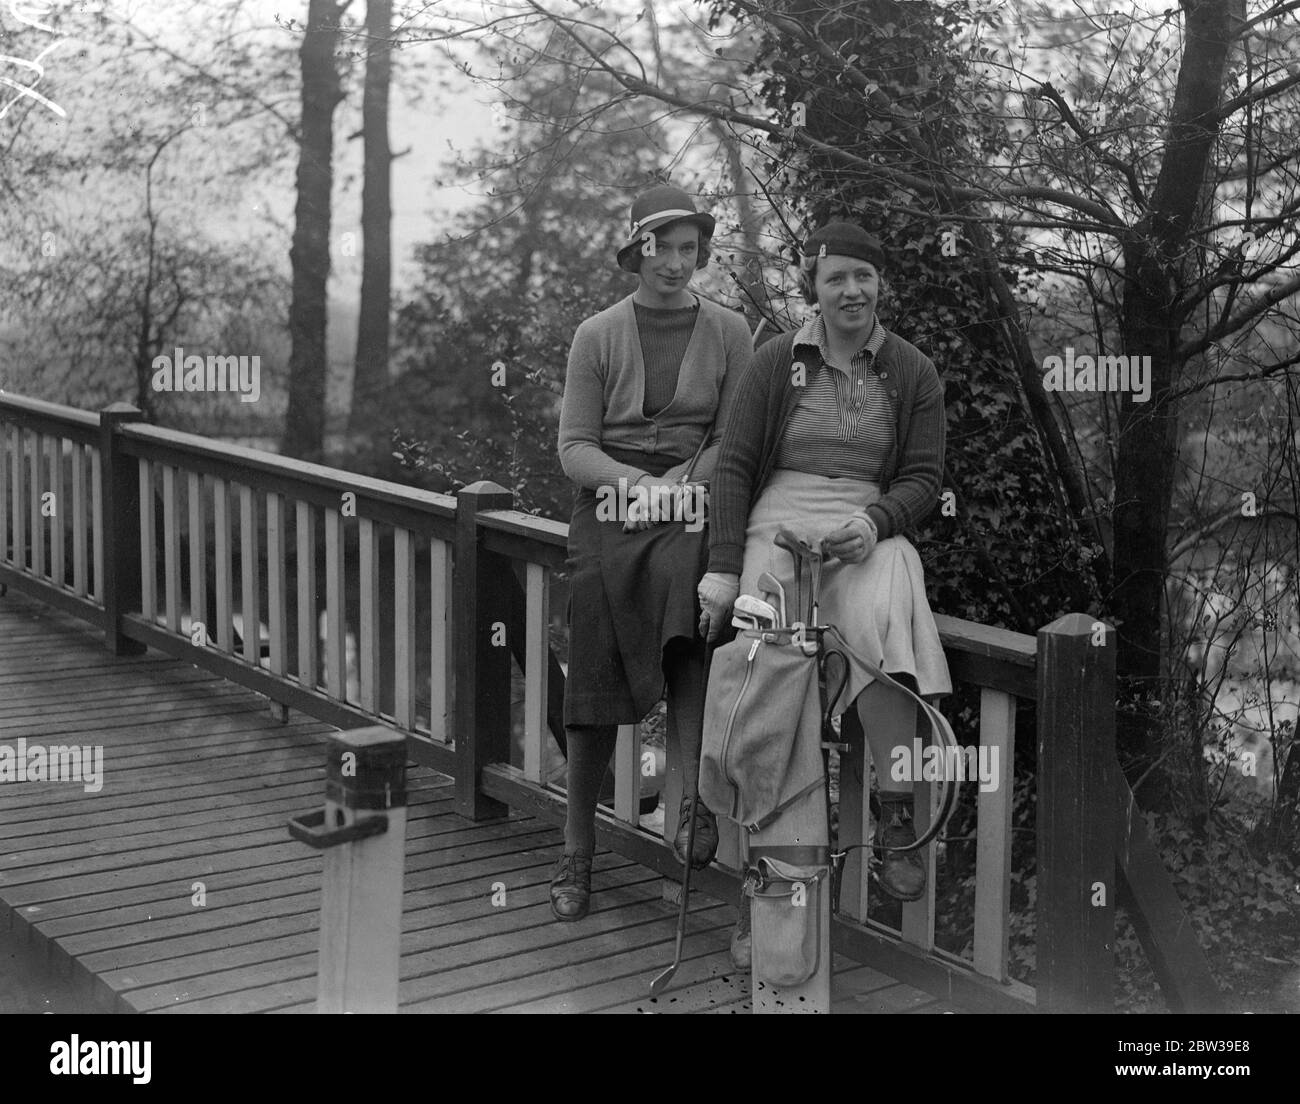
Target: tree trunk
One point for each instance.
(304, 431)
(754, 299)
(144, 355)
(1151, 322)
(371, 373)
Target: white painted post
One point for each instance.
(224, 633)
(627, 775)
(993, 838)
(5, 502)
(80, 569)
(442, 655)
(57, 574)
(370, 692)
(404, 628)
(171, 542)
(37, 521)
(148, 547)
(363, 828)
(537, 620)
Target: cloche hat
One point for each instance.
(657, 207)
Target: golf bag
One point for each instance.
(766, 723)
(762, 755)
(763, 692)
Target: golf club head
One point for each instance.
(661, 982)
(800, 551)
(792, 543)
(744, 621)
(769, 584)
(757, 610)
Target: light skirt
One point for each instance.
(879, 605)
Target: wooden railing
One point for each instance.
(161, 510)
(131, 527)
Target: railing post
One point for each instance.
(362, 830)
(119, 522)
(480, 619)
(1076, 816)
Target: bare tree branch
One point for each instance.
(1232, 106)
(1046, 91)
(1243, 377)
(1242, 318)
(1189, 542)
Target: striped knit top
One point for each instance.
(842, 425)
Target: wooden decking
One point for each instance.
(198, 783)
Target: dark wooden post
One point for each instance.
(119, 521)
(480, 613)
(1076, 816)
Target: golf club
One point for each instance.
(815, 564)
(789, 542)
(803, 555)
(769, 584)
(757, 610)
(661, 982)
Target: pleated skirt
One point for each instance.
(631, 595)
(879, 605)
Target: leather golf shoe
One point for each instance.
(902, 876)
(706, 834)
(571, 887)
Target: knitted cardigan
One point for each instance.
(604, 395)
(910, 480)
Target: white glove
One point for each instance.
(717, 593)
(853, 542)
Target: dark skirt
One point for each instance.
(631, 594)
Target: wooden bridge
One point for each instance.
(187, 607)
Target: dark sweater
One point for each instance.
(912, 475)
(665, 334)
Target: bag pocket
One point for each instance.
(785, 913)
(762, 694)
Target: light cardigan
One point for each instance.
(913, 471)
(604, 393)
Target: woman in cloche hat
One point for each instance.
(640, 424)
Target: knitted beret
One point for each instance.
(844, 239)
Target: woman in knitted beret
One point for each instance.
(838, 433)
(640, 429)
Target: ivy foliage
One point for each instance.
(1001, 550)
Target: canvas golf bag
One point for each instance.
(770, 698)
(762, 766)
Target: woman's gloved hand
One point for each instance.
(651, 500)
(717, 595)
(852, 542)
